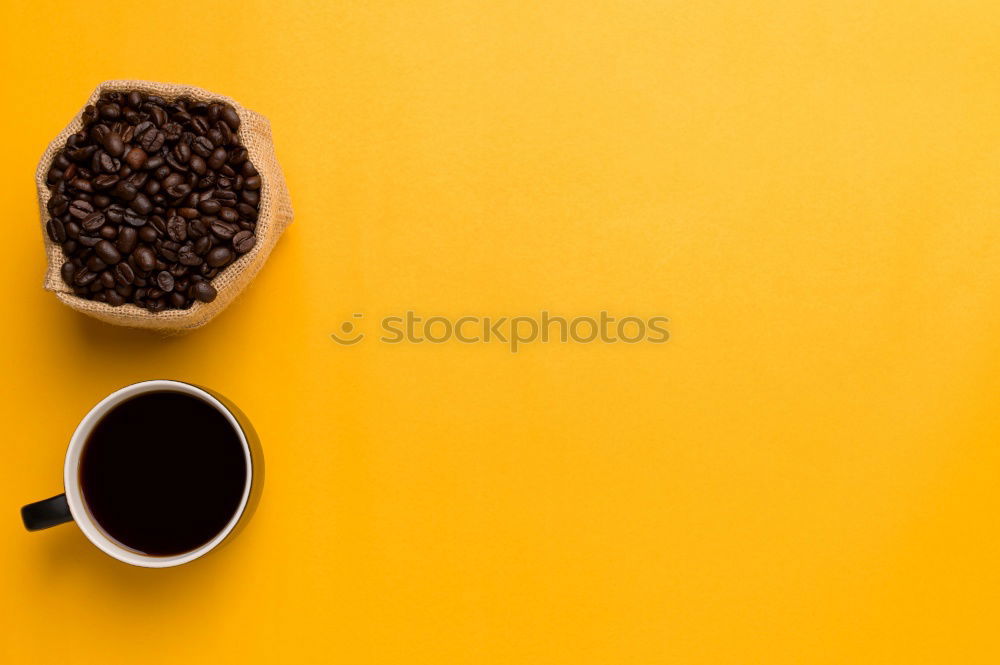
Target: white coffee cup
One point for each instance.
(72, 506)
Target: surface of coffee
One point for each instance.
(151, 200)
(163, 473)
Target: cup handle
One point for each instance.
(48, 512)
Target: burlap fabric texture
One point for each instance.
(275, 213)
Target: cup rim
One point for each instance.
(74, 495)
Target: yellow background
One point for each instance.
(806, 473)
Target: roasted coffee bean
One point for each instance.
(219, 256)
(80, 208)
(224, 230)
(177, 229)
(203, 291)
(202, 245)
(105, 181)
(107, 252)
(132, 218)
(57, 205)
(198, 227)
(141, 204)
(226, 197)
(125, 191)
(147, 233)
(138, 179)
(187, 256)
(209, 206)
(244, 241)
(107, 280)
(108, 232)
(247, 211)
(114, 298)
(124, 273)
(96, 264)
(158, 224)
(56, 230)
(165, 281)
(217, 159)
(229, 215)
(136, 157)
(127, 239)
(93, 221)
(152, 140)
(145, 258)
(113, 144)
(202, 146)
(84, 277)
(69, 272)
(231, 118)
(88, 241)
(197, 164)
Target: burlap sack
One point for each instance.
(275, 213)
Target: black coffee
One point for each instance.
(163, 473)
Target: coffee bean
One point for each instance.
(187, 256)
(93, 221)
(68, 272)
(177, 229)
(114, 298)
(141, 204)
(165, 281)
(113, 144)
(107, 280)
(223, 230)
(219, 256)
(136, 157)
(203, 291)
(231, 118)
(56, 230)
(244, 241)
(107, 252)
(96, 264)
(197, 164)
(209, 206)
(80, 208)
(108, 232)
(124, 273)
(147, 234)
(88, 241)
(105, 181)
(125, 191)
(217, 159)
(152, 140)
(202, 245)
(132, 218)
(203, 147)
(253, 182)
(84, 277)
(127, 239)
(145, 258)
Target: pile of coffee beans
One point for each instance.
(151, 200)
